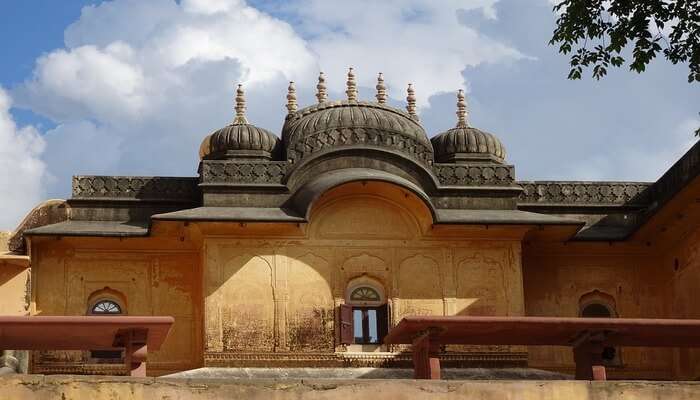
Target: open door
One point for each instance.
(347, 335)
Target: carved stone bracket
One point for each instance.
(135, 187)
(265, 172)
(475, 174)
(585, 193)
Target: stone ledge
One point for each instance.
(31, 387)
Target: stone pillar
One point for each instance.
(281, 300)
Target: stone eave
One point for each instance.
(231, 214)
(500, 217)
(92, 228)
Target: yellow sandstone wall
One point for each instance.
(154, 276)
(682, 262)
(556, 276)
(275, 289)
(14, 281)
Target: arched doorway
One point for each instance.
(366, 312)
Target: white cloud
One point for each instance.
(21, 170)
(409, 41)
(140, 83)
(637, 162)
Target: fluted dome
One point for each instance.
(467, 144)
(240, 139)
(349, 123)
(464, 143)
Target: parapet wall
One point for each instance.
(26, 387)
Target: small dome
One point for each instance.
(240, 139)
(466, 144)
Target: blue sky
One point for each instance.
(130, 87)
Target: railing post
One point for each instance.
(588, 355)
(135, 350)
(426, 364)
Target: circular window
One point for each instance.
(106, 307)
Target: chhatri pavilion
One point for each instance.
(353, 206)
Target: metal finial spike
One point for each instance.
(291, 98)
(240, 106)
(352, 86)
(321, 93)
(461, 110)
(381, 89)
(411, 100)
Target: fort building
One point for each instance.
(354, 216)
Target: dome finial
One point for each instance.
(381, 89)
(411, 100)
(240, 107)
(291, 98)
(352, 86)
(461, 110)
(321, 94)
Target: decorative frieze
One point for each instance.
(584, 193)
(237, 172)
(135, 187)
(475, 174)
(316, 142)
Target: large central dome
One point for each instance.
(349, 123)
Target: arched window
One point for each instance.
(364, 293)
(365, 316)
(601, 305)
(106, 302)
(596, 310)
(106, 307)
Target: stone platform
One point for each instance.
(366, 373)
(35, 387)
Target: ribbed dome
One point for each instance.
(467, 144)
(349, 123)
(240, 140)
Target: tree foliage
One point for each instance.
(597, 33)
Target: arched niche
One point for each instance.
(310, 313)
(369, 210)
(243, 305)
(597, 304)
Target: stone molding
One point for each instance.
(227, 359)
(374, 137)
(135, 187)
(237, 172)
(474, 174)
(584, 193)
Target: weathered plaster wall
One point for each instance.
(36, 387)
(153, 276)
(268, 290)
(14, 288)
(556, 276)
(14, 280)
(682, 262)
